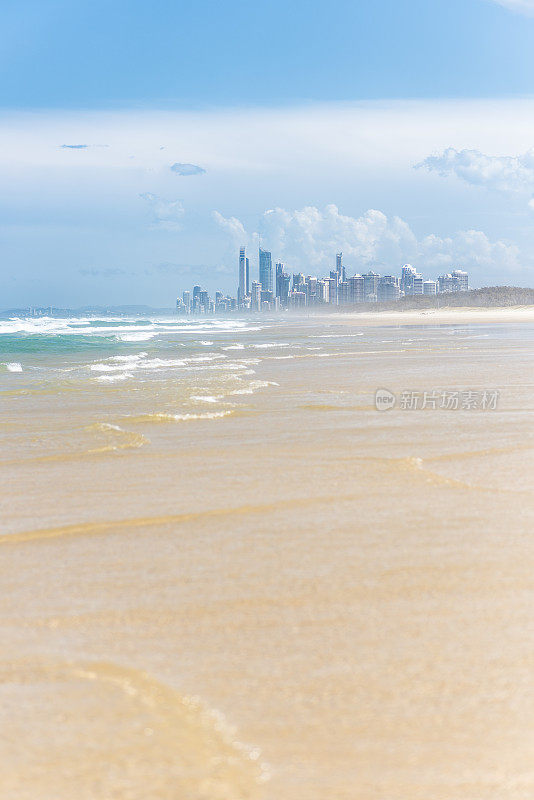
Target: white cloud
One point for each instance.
(327, 137)
(503, 173)
(472, 250)
(166, 214)
(310, 237)
(358, 155)
(522, 6)
(307, 240)
(234, 228)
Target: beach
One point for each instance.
(226, 575)
(451, 316)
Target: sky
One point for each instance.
(142, 144)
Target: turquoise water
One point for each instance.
(109, 350)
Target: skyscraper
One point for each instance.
(332, 292)
(196, 298)
(370, 286)
(278, 282)
(339, 266)
(356, 289)
(388, 288)
(463, 279)
(242, 290)
(247, 276)
(417, 284)
(266, 270)
(255, 300)
(408, 274)
(285, 289)
(457, 281)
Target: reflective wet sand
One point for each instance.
(304, 598)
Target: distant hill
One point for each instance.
(488, 297)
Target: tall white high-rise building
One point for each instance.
(356, 289)
(339, 267)
(370, 286)
(255, 296)
(462, 278)
(457, 281)
(408, 276)
(417, 287)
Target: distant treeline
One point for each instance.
(488, 297)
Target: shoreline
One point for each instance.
(449, 315)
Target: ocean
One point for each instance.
(227, 575)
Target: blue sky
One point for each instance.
(125, 52)
(282, 111)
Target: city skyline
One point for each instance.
(342, 287)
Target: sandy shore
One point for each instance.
(304, 599)
(433, 316)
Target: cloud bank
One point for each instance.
(502, 173)
(307, 239)
(84, 209)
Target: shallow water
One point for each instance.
(226, 575)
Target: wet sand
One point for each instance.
(303, 599)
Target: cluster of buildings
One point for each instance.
(277, 289)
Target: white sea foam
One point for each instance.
(234, 347)
(135, 362)
(338, 335)
(128, 358)
(143, 363)
(200, 359)
(123, 328)
(125, 440)
(163, 417)
(14, 366)
(207, 415)
(268, 345)
(205, 398)
(254, 386)
(137, 337)
(122, 376)
(51, 326)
